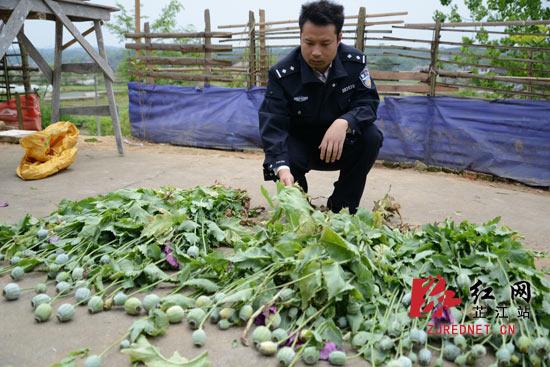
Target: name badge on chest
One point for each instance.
(301, 98)
(348, 88)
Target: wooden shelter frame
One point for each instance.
(14, 13)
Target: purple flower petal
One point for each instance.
(170, 258)
(4, 204)
(290, 341)
(445, 318)
(327, 349)
(260, 319)
(54, 239)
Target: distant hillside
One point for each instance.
(76, 54)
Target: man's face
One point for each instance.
(319, 44)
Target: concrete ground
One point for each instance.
(424, 197)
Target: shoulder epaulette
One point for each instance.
(354, 57)
(282, 71)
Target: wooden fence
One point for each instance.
(244, 52)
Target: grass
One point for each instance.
(87, 124)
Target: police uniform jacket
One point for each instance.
(298, 102)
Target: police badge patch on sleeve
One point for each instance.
(365, 78)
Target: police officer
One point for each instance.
(319, 109)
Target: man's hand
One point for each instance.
(286, 177)
(333, 141)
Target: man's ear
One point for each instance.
(339, 37)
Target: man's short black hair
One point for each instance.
(322, 13)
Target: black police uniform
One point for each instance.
(299, 108)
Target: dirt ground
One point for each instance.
(424, 197)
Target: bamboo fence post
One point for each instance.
(207, 43)
(530, 71)
(263, 51)
(147, 31)
(137, 13)
(434, 56)
(251, 50)
(360, 31)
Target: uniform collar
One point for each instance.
(336, 70)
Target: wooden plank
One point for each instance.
(480, 24)
(360, 30)
(251, 50)
(177, 47)
(137, 19)
(86, 111)
(410, 88)
(264, 68)
(433, 56)
(179, 35)
(294, 21)
(180, 76)
(56, 77)
(147, 29)
(474, 31)
(469, 45)
(109, 90)
(75, 10)
(503, 91)
(74, 40)
(19, 111)
(80, 68)
(165, 60)
(398, 75)
(11, 28)
(512, 79)
(36, 56)
(85, 44)
(25, 70)
(207, 43)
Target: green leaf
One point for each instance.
(265, 194)
(69, 361)
(338, 248)
(154, 273)
(201, 283)
(309, 286)
(330, 332)
(240, 296)
(160, 226)
(214, 230)
(333, 274)
(142, 351)
(138, 327)
(422, 255)
(159, 322)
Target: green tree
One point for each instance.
(124, 22)
(499, 59)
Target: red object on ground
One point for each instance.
(30, 104)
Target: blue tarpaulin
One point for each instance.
(506, 138)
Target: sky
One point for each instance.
(41, 33)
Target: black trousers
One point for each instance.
(357, 159)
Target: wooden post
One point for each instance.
(19, 111)
(360, 32)
(25, 66)
(251, 50)
(207, 43)
(56, 92)
(109, 88)
(434, 56)
(6, 77)
(263, 51)
(147, 30)
(530, 71)
(137, 13)
(96, 98)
